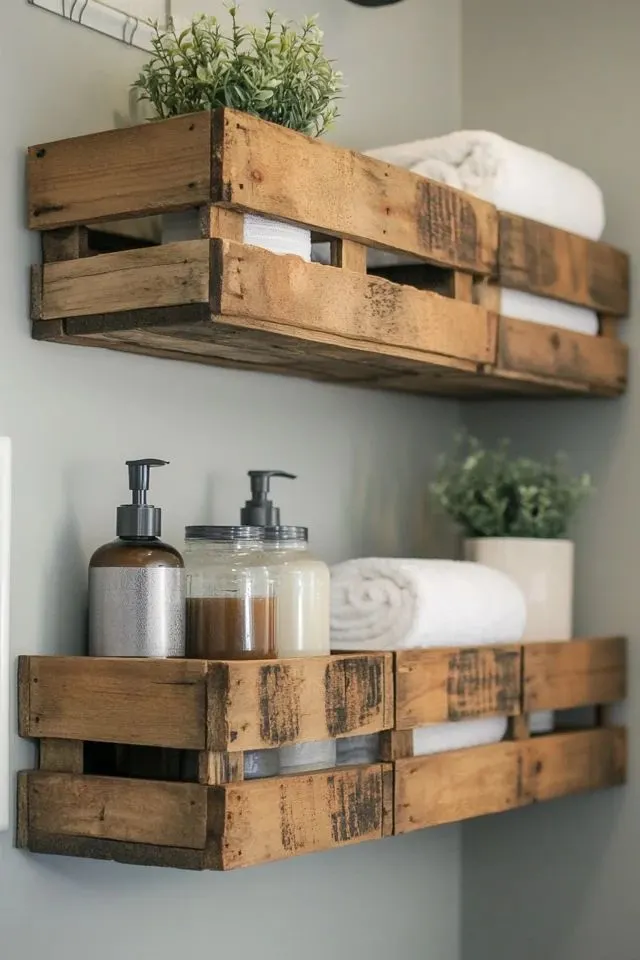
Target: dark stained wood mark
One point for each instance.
(279, 705)
(476, 685)
(354, 690)
(447, 222)
(356, 806)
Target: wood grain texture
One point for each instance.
(273, 819)
(260, 285)
(396, 744)
(140, 811)
(132, 171)
(349, 255)
(94, 848)
(558, 676)
(454, 786)
(435, 686)
(553, 263)
(576, 762)
(267, 703)
(223, 223)
(61, 756)
(68, 243)
(150, 277)
(215, 767)
(534, 348)
(151, 702)
(343, 193)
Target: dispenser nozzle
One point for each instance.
(260, 511)
(139, 473)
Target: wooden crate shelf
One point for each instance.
(182, 726)
(513, 682)
(216, 300)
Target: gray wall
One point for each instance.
(561, 881)
(76, 414)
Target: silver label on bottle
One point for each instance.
(136, 612)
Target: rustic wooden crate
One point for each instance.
(458, 785)
(225, 303)
(212, 712)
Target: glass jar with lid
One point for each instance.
(302, 589)
(230, 594)
(231, 607)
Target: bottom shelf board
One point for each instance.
(450, 787)
(203, 828)
(192, 826)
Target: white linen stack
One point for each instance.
(396, 604)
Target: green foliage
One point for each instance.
(277, 72)
(490, 494)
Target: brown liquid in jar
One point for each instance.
(231, 628)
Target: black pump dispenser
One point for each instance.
(259, 511)
(140, 520)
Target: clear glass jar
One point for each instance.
(231, 607)
(302, 588)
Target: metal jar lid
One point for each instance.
(285, 534)
(239, 534)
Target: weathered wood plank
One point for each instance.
(68, 243)
(141, 854)
(558, 676)
(267, 703)
(119, 700)
(139, 811)
(343, 193)
(458, 785)
(61, 756)
(396, 744)
(263, 286)
(553, 263)
(435, 686)
(146, 278)
(534, 348)
(132, 171)
(349, 255)
(215, 767)
(566, 763)
(277, 818)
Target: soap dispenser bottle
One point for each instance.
(302, 598)
(136, 582)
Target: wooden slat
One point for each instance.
(435, 686)
(262, 703)
(151, 702)
(141, 854)
(150, 277)
(272, 170)
(554, 263)
(349, 255)
(558, 676)
(68, 243)
(133, 171)
(576, 762)
(260, 285)
(221, 222)
(396, 744)
(283, 817)
(61, 756)
(534, 348)
(453, 786)
(140, 811)
(215, 767)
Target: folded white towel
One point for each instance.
(515, 178)
(389, 604)
(436, 738)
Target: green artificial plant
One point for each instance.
(492, 494)
(278, 71)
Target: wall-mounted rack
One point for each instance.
(180, 727)
(217, 300)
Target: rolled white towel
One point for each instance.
(517, 179)
(437, 738)
(389, 604)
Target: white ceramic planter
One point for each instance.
(543, 569)
(258, 232)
